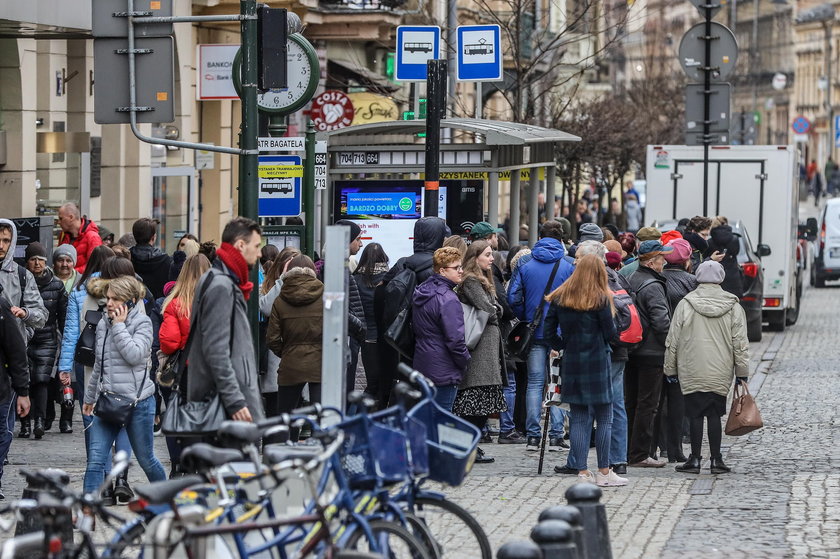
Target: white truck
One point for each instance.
(756, 185)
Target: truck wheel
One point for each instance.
(754, 330)
(777, 321)
(819, 280)
(813, 276)
(793, 314)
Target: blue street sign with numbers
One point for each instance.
(416, 45)
(279, 184)
(479, 53)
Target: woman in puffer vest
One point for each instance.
(123, 351)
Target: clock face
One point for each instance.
(300, 79)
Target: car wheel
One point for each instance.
(819, 281)
(813, 276)
(754, 330)
(777, 321)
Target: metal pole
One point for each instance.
(435, 108)
(707, 81)
(335, 317)
(309, 191)
(533, 206)
(753, 61)
(479, 100)
(248, 182)
(451, 39)
(733, 15)
(493, 192)
(515, 182)
(829, 108)
(550, 178)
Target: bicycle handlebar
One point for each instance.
(416, 378)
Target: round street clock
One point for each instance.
(302, 71)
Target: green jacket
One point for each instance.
(707, 341)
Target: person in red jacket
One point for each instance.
(78, 231)
(175, 329)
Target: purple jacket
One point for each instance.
(440, 352)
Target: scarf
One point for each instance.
(232, 258)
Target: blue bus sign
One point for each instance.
(416, 45)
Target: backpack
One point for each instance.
(399, 293)
(85, 353)
(628, 320)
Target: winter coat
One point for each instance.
(175, 329)
(708, 341)
(295, 328)
(429, 233)
(487, 359)
(367, 289)
(271, 363)
(14, 369)
(617, 282)
(652, 302)
(501, 298)
(123, 357)
(84, 244)
(152, 266)
(440, 350)
(43, 348)
(722, 238)
(633, 212)
(74, 320)
(27, 296)
(678, 284)
(356, 326)
(222, 358)
(699, 249)
(586, 364)
(526, 291)
(629, 267)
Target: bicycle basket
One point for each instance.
(415, 431)
(372, 453)
(451, 442)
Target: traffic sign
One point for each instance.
(718, 106)
(280, 185)
(724, 52)
(416, 45)
(479, 53)
(801, 125)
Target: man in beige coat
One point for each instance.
(706, 347)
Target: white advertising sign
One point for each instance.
(395, 235)
(215, 78)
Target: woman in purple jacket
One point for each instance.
(440, 350)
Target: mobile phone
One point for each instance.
(129, 305)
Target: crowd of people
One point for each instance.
(103, 322)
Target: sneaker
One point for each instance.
(649, 463)
(533, 443)
(555, 444)
(511, 437)
(565, 469)
(610, 480)
(486, 438)
(586, 478)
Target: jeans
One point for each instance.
(506, 424)
(618, 442)
(122, 442)
(641, 399)
(445, 396)
(140, 431)
(7, 416)
(580, 433)
(537, 369)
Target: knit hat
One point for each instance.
(613, 260)
(36, 250)
(590, 232)
(168, 287)
(481, 230)
(648, 234)
(709, 272)
(669, 236)
(65, 250)
(614, 246)
(681, 252)
(649, 249)
(566, 226)
(355, 230)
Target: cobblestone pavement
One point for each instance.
(782, 500)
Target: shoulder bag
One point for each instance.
(744, 416)
(191, 418)
(112, 407)
(85, 353)
(521, 336)
(475, 321)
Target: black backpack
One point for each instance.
(399, 293)
(86, 345)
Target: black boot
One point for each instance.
(692, 465)
(718, 467)
(481, 458)
(39, 427)
(25, 429)
(108, 498)
(121, 488)
(65, 423)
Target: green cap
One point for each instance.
(481, 230)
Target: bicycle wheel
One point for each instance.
(457, 533)
(391, 541)
(126, 543)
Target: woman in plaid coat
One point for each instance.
(583, 310)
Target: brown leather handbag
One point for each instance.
(744, 416)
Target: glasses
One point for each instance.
(459, 268)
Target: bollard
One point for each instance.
(596, 534)
(570, 515)
(555, 539)
(519, 549)
(30, 520)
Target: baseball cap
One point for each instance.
(649, 249)
(481, 230)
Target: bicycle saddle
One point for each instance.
(274, 454)
(163, 492)
(237, 434)
(202, 457)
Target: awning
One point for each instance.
(342, 74)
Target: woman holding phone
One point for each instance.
(123, 348)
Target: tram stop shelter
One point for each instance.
(485, 147)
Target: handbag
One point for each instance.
(744, 416)
(112, 407)
(400, 334)
(168, 367)
(519, 340)
(85, 353)
(475, 321)
(193, 418)
(554, 389)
